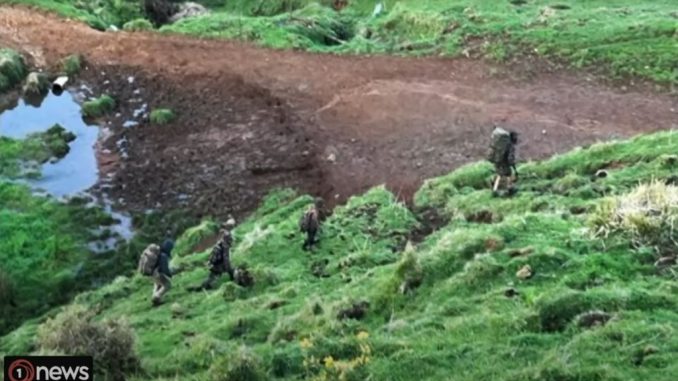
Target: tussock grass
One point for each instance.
(162, 116)
(648, 214)
(98, 107)
(12, 69)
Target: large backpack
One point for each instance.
(149, 259)
(500, 146)
(309, 221)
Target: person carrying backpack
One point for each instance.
(503, 155)
(310, 223)
(154, 262)
(219, 261)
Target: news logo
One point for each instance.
(48, 368)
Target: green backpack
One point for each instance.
(499, 148)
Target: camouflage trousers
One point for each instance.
(310, 239)
(161, 284)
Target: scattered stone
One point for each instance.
(357, 311)
(332, 158)
(525, 272)
(592, 319)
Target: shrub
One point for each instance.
(12, 68)
(137, 25)
(647, 216)
(162, 116)
(241, 366)
(110, 342)
(72, 64)
(98, 107)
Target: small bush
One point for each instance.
(12, 68)
(110, 342)
(98, 107)
(72, 64)
(137, 25)
(162, 116)
(647, 215)
(241, 366)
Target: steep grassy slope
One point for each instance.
(447, 307)
(44, 254)
(619, 38)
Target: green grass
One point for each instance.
(44, 253)
(618, 38)
(12, 69)
(137, 25)
(98, 107)
(458, 317)
(162, 116)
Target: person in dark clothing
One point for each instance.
(310, 223)
(162, 275)
(220, 259)
(503, 156)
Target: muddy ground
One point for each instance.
(251, 119)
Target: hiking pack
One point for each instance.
(500, 146)
(149, 259)
(309, 221)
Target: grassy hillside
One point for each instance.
(448, 305)
(618, 38)
(44, 249)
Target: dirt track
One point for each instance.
(252, 118)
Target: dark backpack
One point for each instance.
(309, 221)
(500, 146)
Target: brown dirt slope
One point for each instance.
(252, 118)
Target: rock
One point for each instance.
(593, 318)
(332, 158)
(36, 84)
(525, 273)
(188, 9)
